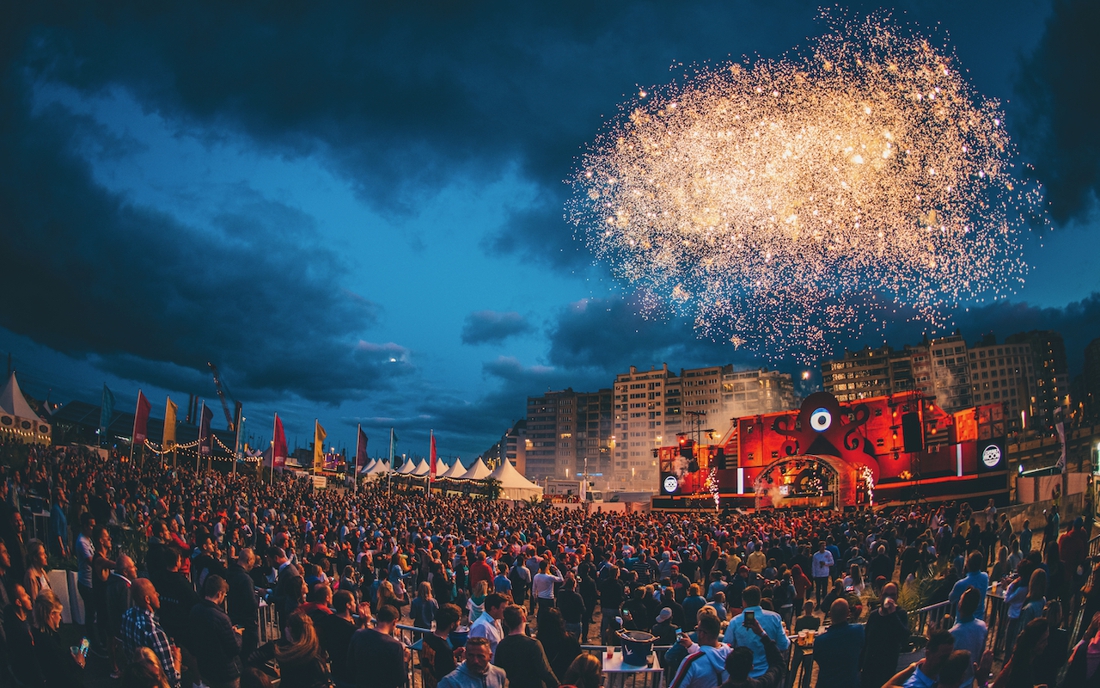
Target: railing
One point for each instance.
(1094, 547)
(931, 616)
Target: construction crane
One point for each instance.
(230, 419)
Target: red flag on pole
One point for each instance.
(431, 473)
(278, 454)
(141, 420)
(361, 449)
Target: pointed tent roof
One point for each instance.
(407, 467)
(380, 467)
(13, 403)
(366, 469)
(479, 471)
(457, 470)
(440, 468)
(422, 468)
(508, 476)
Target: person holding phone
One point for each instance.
(61, 666)
(739, 633)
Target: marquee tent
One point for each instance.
(407, 468)
(17, 420)
(457, 470)
(440, 468)
(512, 484)
(379, 467)
(422, 469)
(479, 471)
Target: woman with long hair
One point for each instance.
(475, 606)
(37, 577)
(386, 595)
(60, 666)
(586, 671)
(145, 671)
(298, 656)
(1000, 568)
(561, 648)
(423, 607)
(1019, 672)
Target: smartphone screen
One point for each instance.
(750, 616)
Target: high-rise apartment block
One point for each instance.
(1031, 385)
(754, 392)
(1050, 389)
(648, 412)
(653, 407)
(567, 432)
(1004, 373)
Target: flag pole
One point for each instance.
(389, 473)
(274, 425)
(355, 470)
(133, 430)
(198, 455)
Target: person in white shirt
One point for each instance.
(822, 564)
(542, 587)
(488, 624)
(705, 665)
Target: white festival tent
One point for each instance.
(17, 418)
(379, 467)
(457, 470)
(440, 468)
(365, 470)
(479, 471)
(407, 468)
(512, 484)
(422, 469)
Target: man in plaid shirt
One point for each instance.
(141, 628)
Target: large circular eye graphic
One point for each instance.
(820, 420)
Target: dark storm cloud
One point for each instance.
(402, 96)
(610, 335)
(149, 298)
(1061, 100)
(491, 327)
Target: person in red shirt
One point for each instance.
(481, 571)
(1073, 549)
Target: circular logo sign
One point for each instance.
(821, 419)
(671, 483)
(991, 456)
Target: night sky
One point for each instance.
(356, 210)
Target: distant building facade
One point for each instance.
(563, 429)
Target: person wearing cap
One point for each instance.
(664, 629)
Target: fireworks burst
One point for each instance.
(785, 202)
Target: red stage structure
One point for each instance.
(834, 455)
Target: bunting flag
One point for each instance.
(432, 460)
(279, 447)
(106, 408)
(319, 436)
(206, 417)
(141, 420)
(360, 451)
(169, 436)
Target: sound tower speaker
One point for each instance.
(911, 433)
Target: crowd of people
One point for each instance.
(511, 594)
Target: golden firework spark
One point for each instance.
(783, 202)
